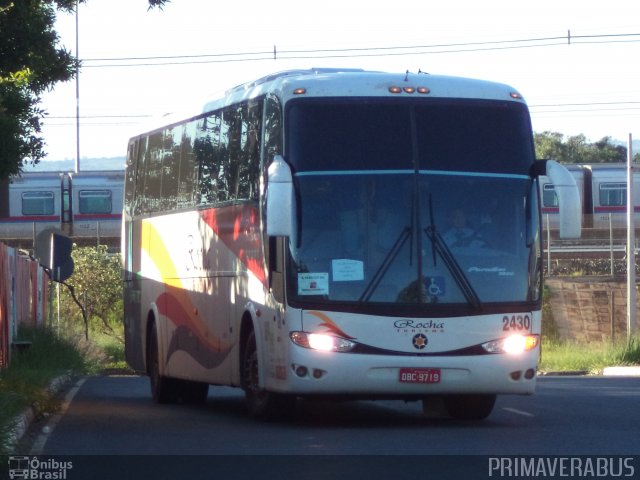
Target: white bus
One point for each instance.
(295, 239)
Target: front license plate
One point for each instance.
(420, 375)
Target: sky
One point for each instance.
(577, 62)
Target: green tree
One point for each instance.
(97, 284)
(577, 149)
(550, 145)
(31, 62)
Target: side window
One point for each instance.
(272, 131)
(206, 149)
(188, 169)
(37, 203)
(153, 174)
(141, 172)
(226, 153)
(272, 145)
(613, 194)
(95, 201)
(229, 170)
(130, 177)
(170, 159)
(549, 197)
(249, 157)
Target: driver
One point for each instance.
(461, 235)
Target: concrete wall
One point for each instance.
(589, 309)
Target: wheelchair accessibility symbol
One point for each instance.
(435, 286)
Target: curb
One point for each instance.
(23, 421)
(622, 371)
(627, 371)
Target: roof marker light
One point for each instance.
(423, 90)
(300, 91)
(409, 89)
(395, 89)
(515, 95)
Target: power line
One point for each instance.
(275, 54)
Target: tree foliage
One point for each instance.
(31, 62)
(576, 149)
(97, 283)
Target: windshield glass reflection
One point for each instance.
(405, 238)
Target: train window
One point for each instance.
(95, 201)
(549, 197)
(613, 194)
(37, 203)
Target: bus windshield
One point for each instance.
(412, 205)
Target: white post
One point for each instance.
(632, 312)
(611, 261)
(77, 163)
(548, 246)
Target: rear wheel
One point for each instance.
(469, 407)
(261, 403)
(192, 392)
(163, 389)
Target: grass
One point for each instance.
(563, 356)
(593, 358)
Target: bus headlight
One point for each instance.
(513, 344)
(322, 341)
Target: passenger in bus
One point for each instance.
(461, 235)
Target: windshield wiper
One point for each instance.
(405, 234)
(440, 246)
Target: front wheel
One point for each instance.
(261, 403)
(469, 407)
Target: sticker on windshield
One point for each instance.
(313, 284)
(435, 286)
(345, 270)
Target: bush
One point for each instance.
(97, 284)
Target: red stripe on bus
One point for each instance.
(238, 227)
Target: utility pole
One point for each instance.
(77, 165)
(632, 312)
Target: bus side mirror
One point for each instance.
(568, 199)
(280, 209)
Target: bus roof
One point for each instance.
(333, 82)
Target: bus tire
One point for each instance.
(192, 392)
(469, 407)
(163, 389)
(261, 403)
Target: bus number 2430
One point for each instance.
(516, 322)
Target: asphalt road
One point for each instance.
(567, 416)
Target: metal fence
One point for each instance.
(23, 297)
(600, 250)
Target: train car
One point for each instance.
(609, 195)
(603, 193)
(549, 199)
(83, 205)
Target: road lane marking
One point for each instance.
(518, 412)
(38, 446)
